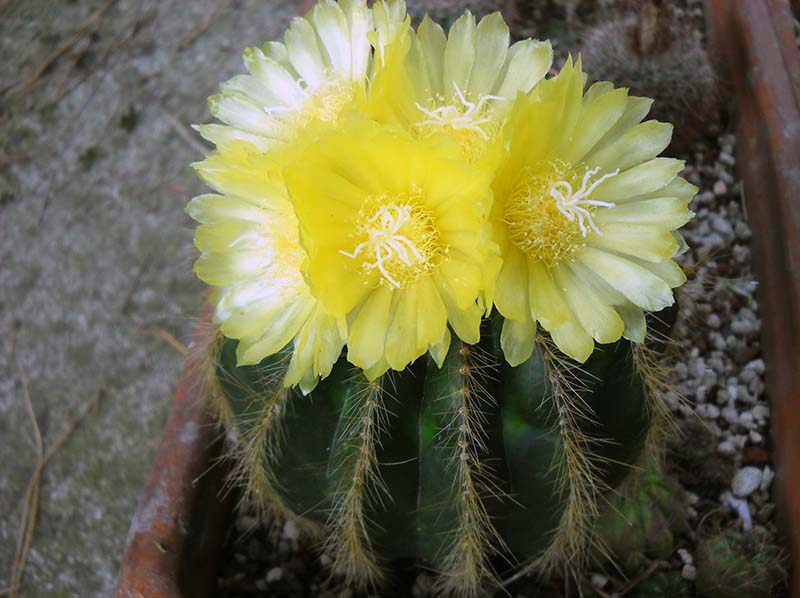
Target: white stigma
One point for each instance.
(467, 116)
(573, 203)
(386, 243)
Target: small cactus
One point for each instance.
(452, 466)
(665, 584)
(642, 522)
(737, 563)
(653, 55)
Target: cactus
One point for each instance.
(641, 523)
(653, 55)
(378, 191)
(459, 467)
(737, 563)
(665, 584)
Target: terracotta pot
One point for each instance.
(177, 532)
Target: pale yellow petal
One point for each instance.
(573, 340)
(431, 316)
(640, 286)
(644, 178)
(517, 340)
(665, 212)
(367, 340)
(637, 145)
(635, 324)
(594, 121)
(668, 271)
(401, 339)
(304, 52)
(526, 64)
(546, 299)
(252, 349)
(433, 41)
(511, 290)
(599, 320)
(491, 48)
(459, 54)
(439, 349)
(650, 243)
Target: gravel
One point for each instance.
(747, 480)
(721, 384)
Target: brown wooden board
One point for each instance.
(760, 56)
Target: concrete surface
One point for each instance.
(94, 247)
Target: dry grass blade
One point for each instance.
(161, 333)
(189, 39)
(31, 502)
(88, 27)
(7, 160)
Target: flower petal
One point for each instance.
(517, 340)
(640, 286)
(599, 320)
(367, 339)
(547, 301)
(491, 48)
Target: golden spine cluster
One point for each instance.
(347, 542)
(467, 567)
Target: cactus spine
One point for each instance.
(464, 467)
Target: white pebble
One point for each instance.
(720, 188)
(766, 478)
(291, 531)
(726, 448)
(689, 572)
(599, 581)
(274, 574)
(731, 415)
(760, 412)
(685, 556)
(755, 437)
(746, 481)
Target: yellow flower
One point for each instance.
(585, 215)
(459, 86)
(397, 236)
(251, 253)
(320, 67)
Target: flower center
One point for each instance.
(324, 104)
(547, 217)
(471, 124)
(398, 238)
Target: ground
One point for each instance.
(95, 249)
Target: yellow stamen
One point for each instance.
(400, 239)
(470, 123)
(547, 218)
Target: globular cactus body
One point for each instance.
(453, 465)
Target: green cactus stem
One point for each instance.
(462, 467)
